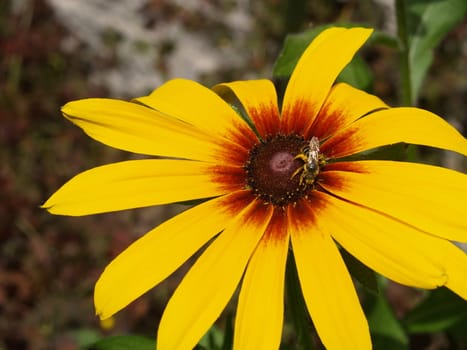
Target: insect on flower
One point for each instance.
(312, 162)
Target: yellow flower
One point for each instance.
(279, 178)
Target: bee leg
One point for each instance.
(302, 177)
(301, 156)
(296, 172)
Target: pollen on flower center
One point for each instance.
(271, 167)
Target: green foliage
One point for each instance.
(85, 337)
(441, 310)
(227, 343)
(296, 307)
(294, 46)
(422, 26)
(356, 73)
(212, 340)
(386, 331)
(360, 272)
(124, 342)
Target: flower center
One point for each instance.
(276, 170)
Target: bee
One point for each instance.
(311, 158)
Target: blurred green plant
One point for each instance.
(124, 342)
(441, 310)
(386, 330)
(421, 27)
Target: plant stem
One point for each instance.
(297, 307)
(402, 32)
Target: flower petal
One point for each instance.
(430, 198)
(404, 124)
(259, 99)
(260, 312)
(195, 104)
(455, 262)
(158, 253)
(135, 128)
(326, 284)
(210, 283)
(133, 184)
(390, 247)
(344, 105)
(315, 73)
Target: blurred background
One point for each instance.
(55, 51)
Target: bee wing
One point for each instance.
(313, 154)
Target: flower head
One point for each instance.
(274, 179)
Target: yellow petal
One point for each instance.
(430, 198)
(210, 283)
(344, 105)
(135, 128)
(397, 251)
(455, 262)
(260, 312)
(315, 73)
(404, 124)
(197, 105)
(259, 99)
(133, 184)
(328, 290)
(157, 254)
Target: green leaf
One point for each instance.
(439, 311)
(227, 344)
(384, 39)
(360, 272)
(458, 331)
(212, 340)
(296, 306)
(387, 343)
(384, 326)
(294, 46)
(357, 73)
(86, 337)
(427, 22)
(125, 342)
(228, 96)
